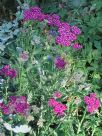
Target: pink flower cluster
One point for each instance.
(23, 56)
(76, 46)
(57, 94)
(9, 72)
(34, 13)
(93, 103)
(60, 63)
(67, 33)
(58, 108)
(16, 104)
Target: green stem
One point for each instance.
(20, 77)
(6, 92)
(11, 133)
(6, 89)
(80, 123)
(93, 131)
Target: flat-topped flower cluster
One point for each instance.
(92, 102)
(58, 107)
(8, 71)
(16, 104)
(67, 34)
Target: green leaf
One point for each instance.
(97, 44)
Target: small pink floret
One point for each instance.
(52, 102)
(76, 46)
(57, 94)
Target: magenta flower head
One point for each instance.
(92, 102)
(56, 20)
(57, 94)
(72, 37)
(65, 26)
(16, 104)
(34, 13)
(24, 56)
(59, 109)
(52, 102)
(55, 16)
(13, 73)
(35, 9)
(63, 40)
(60, 63)
(8, 72)
(6, 110)
(76, 46)
(67, 33)
(76, 30)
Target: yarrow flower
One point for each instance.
(16, 104)
(92, 102)
(52, 102)
(35, 109)
(66, 33)
(63, 40)
(8, 72)
(60, 63)
(64, 28)
(40, 122)
(71, 37)
(57, 94)
(77, 101)
(23, 56)
(53, 20)
(76, 46)
(75, 30)
(58, 108)
(29, 118)
(34, 13)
